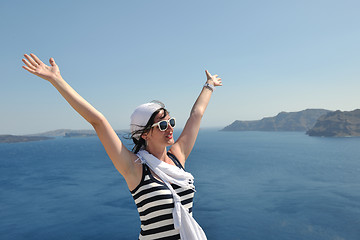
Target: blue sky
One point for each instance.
(272, 56)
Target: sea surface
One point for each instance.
(250, 186)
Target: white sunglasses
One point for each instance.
(163, 124)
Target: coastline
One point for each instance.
(17, 139)
(68, 133)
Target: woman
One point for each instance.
(162, 190)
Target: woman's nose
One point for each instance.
(169, 126)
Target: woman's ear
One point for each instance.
(144, 136)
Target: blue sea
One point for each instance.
(250, 185)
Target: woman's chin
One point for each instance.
(170, 141)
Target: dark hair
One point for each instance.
(141, 144)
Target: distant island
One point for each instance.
(16, 139)
(337, 124)
(300, 121)
(67, 133)
(49, 135)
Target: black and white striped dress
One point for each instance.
(155, 204)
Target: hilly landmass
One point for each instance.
(15, 139)
(337, 124)
(66, 133)
(300, 121)
(49, 135)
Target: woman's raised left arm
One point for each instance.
(185, 143)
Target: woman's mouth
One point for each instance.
(169, 136)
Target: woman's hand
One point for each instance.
(35, 66)
(213, 78)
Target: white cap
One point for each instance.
(141, 116)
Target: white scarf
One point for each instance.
(189, 229)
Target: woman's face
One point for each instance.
(157, 137)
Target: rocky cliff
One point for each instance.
(337, 124)
(284, 121)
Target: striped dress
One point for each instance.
(155, 204)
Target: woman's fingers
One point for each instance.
(37, 60)
(31, 60)
(28, 64)
(29, 69)
(208, 75)
(52, 62)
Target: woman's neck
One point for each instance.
(160, 153)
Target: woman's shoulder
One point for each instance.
(177, 153)
(175, 160)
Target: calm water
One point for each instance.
(250, 185)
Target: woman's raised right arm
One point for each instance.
(121, 157)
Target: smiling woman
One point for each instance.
(162, 190)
